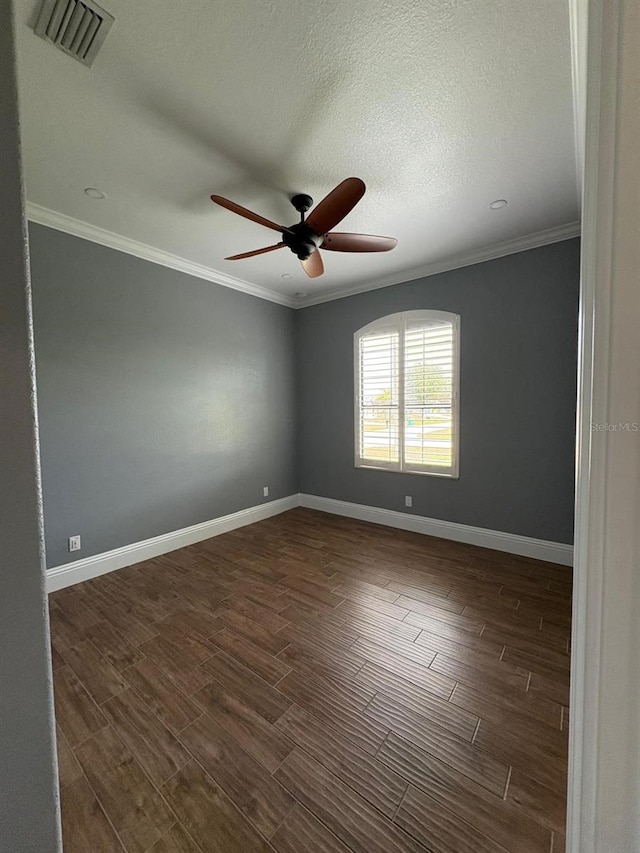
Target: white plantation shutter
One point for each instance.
(428, 396)
(406, 393)
(379, 391)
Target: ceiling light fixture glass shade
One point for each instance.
(94, 192)
(498, 204)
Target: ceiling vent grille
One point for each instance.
(78, 27)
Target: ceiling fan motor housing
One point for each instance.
(301, 240)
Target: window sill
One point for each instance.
(448, 475)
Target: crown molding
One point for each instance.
(61, 222)
(498, 250)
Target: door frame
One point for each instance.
(604, 757)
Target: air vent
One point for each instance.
(77, 28)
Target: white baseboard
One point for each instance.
(523, 546)
(90, 567)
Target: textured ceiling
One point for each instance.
(440, 106)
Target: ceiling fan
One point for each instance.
(306, 237)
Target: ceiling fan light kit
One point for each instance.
(306, 237)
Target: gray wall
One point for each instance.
(517, 395)
(28, 780)
(164, 400)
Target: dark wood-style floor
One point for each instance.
(312, 684)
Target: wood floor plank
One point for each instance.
(462, 647)
(76, 712)
(468, 759)
(447, 614)
(113, 646)
(393, 654)
(371, 623)
(84, 824)
(346, 691)
(134, 807)
(179, 667)
(373, 780)
(540, 662)
(76, 604)
(208, 814)
(527, 626)
(131, 626)
(242, 626)
(185, 642)
(559, 843)
(434, 594)
(248, 785)
(372, 602)
(543, 761)
(98, 676)
(175, 840)
(263, 741)
(429, 697)
(545, 645)
(164, 698)
(57, 661)
(306, 656)
(69, 770)
(455, 627)
(263, 663)
(257, 612)
(301, 831)
(414, 698)
(520, 711)
(355, 589)
(312, 613)
(155, 747)
(63, 633)
(362, 828)
(494, 676)
(192, 622)
(303, 630)
(298, 587)
(335, 709)
(553, 689)
(500, 821)
(268, 595)
(247, 686)
(439, 829)
(536, 800)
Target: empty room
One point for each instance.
(319, 427)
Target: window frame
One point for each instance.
(398, 323)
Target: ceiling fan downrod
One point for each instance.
(300, 238)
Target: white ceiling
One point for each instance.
(440, 106)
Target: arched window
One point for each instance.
(406, 393)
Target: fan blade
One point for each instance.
(313, 266)
(342, 242)
(248, 214)
(334, 207)
(255, 252)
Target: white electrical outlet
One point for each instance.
(74, 543)
(408, 500)
(265, 491)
